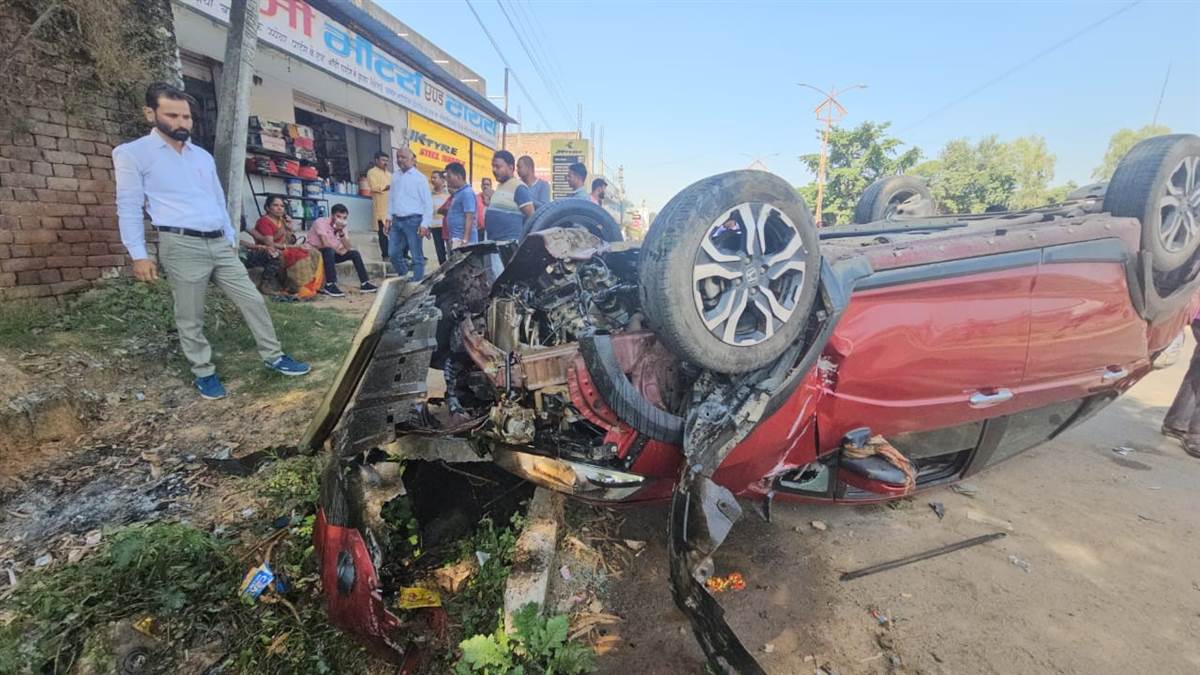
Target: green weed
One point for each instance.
(538, 646)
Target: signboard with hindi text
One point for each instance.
(294, 27)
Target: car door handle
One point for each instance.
(986, 400)
(1111, 375)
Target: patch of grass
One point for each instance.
(21, 323)
(188, 581)
(174, 572)
(292, 483)
(480, 605)
(538, 645)
(138, 319)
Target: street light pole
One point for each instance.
(830, 112)
(504, 129)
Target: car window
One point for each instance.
(1027, 429)
(938, 442)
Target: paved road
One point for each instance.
(1110, 542)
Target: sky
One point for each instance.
(685, 90)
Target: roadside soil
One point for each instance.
(1098, 574)
(99, 438)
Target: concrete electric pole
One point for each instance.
(830, 112)
(233, 109)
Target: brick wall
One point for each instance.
(58, 224)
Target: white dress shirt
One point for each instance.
(410, 196)
(177, 189)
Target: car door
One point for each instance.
(1085, 333)
(930, 347)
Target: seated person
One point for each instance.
(274, 230)
(328, 235)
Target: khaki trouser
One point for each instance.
(189, 263)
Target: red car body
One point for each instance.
(962, 344)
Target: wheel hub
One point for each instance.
(1179, 207)
(748, 273)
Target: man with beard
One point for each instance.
(510, 204)
(176, 183)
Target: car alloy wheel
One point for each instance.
(749, 273)
(1179, 205)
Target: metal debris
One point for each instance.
(917, 557)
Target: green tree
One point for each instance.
(857, 157)
(968, 178)
(1120, 143)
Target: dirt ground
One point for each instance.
(1109, 541)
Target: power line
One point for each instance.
(541, 42)
(536, 67)
(1161, 94)
(1052, 48)
(536, 22)
(539, 50)
(520, 85)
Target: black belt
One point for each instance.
(409, 216)
(215, 234)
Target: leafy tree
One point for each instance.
(1120, 143)
(968, 178)
(857, 157)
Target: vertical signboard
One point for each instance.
(564, 153)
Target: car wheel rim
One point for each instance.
(1179, 207)
(749, 273)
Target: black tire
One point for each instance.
(785, 269)
(574, 213)
(1136, 190)
(894, 196)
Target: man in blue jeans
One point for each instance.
(411, 207)
(1183, 418)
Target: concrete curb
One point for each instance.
(535, 555)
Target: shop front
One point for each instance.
(325, 99)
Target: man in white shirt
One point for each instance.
(176, 183)
(412, 213)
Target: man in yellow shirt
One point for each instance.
(380, 180)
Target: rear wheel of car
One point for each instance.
(729, 271)
(1158, 182)
(579, 213)
(894, 196)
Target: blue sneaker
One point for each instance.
(286, 365)
(210, 387)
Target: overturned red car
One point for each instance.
(741, 353)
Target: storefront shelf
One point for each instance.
(287, 196)
(285, 176)
(255, 150)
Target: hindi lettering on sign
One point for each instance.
(288, 25)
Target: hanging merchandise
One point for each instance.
(296, 209)
(294, 187)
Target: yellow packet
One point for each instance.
(415, 598)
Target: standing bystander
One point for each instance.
(460, 214)
(411, 214)
(176, 183)
(380, 181)
(440, 195)
(1183, 417)
(510, 204)
(599, 186)
(539, 189)
(576, 178)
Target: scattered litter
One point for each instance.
(92, 538)
(683, 630)
(43, 560)
(565, 573)
(586, 622)
(733, 582)
(145, 625)
(768, 648)
(140, 396)
(256, 581)
(1122, 450)
(276, 646)
(416, 598)
(12, 578)
(223, 454)
(939, 509)
(452, 577)
(881, 617)
(482, 557)
(281, 522)
(906, 596)
(984, 518)
(1019, 563)
(819, 525)
(248, 513)
(965, 489)
(1148, 519)
(917, 557)
(605, 644)
(809, 658)
(635, 545)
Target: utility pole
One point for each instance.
(621, 185)
(600, 143)
(504, 128)
(233, 111)
(579, 121)
(830, 112)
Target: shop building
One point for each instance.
(333, 85)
